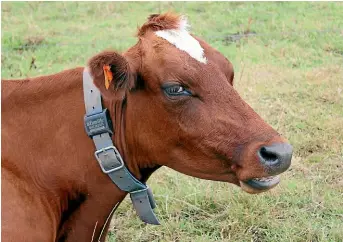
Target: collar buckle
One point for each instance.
(109, 159)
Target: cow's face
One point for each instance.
(183, 112)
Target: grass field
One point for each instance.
(289, 69)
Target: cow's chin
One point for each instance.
(258, 185)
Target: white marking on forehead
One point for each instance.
(183, 40)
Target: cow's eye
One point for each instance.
(176, 90)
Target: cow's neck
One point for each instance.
(117, 111)
(79, 196)
(138, 166)
(95, 211)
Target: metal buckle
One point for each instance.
(117, 154)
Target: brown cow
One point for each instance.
(172, 103)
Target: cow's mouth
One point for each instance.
(257, 185)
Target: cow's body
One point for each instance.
(44, 178)
(172, 104)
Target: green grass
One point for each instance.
(290, 72)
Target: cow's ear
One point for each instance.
(112, 74)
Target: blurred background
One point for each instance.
(288, 60)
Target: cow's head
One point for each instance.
(182, 111)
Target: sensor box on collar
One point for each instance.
(98, 123)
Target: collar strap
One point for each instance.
(98, 126)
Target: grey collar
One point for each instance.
(99, 127)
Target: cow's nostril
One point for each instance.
(268, 156)
(276, 158)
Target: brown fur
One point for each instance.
(53, 188)
(159, 22)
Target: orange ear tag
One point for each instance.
(108, 75)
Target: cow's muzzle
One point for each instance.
(275, 159)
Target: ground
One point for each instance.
(288, 60)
